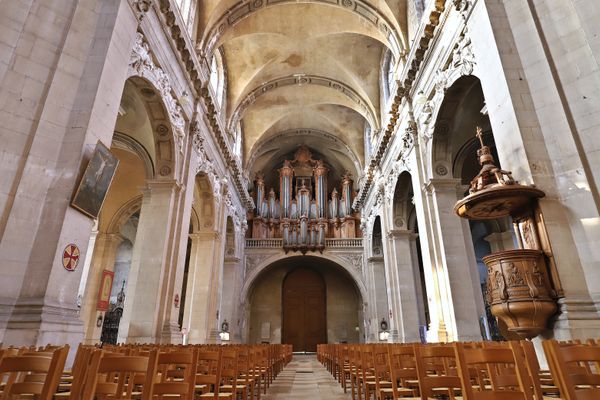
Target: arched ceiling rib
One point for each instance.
(358, 103)
(377, 15)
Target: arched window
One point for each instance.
(387, 74)
(217, 77)
(187, 9)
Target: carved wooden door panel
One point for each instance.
(304, 310)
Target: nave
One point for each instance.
(305, 378)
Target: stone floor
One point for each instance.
(305, 378)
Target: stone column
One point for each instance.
(500, 241)
(105, 252)
(53, 115)
(378, 295)
(458, 276)
(142, 320)
(403, 285)
(198, 315)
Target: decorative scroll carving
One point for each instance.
(251, 264)
(141, 7)
(142, 64)
(463, 58)
(355, 260)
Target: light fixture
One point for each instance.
(384, 334)
(224, 334)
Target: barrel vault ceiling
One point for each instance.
(303, 72)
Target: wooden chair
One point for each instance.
(245, 381)
(175, 375)
(381, 372)
(72, 382)
(33, 374)
(208, 375)
(436, 371)
(504, 365)
(576, 369)
(113, 375)
(542, 384)
(229, 372)
(403, 371)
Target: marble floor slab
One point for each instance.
(305, 378)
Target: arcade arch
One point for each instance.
(144, 144)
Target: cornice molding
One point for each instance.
(411, 69)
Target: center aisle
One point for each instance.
(304, 378)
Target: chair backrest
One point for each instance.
(229, 366)
(175, 374)
(576, 369)
(208, 369)
(504, 364)
(112, 374)
(45, 370)
(403, 367)
(381, 367)
(79, 371)
(437, 371)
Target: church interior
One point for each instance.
(336, 199)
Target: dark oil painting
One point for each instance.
(95, 181)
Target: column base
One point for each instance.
(31, 322)
(171, 334)
(576, 319)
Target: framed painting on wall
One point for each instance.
(105, 289)
(96, 181)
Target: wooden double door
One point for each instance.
(304, 310)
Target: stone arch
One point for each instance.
(203, 210)
(403, 208)
(377, 237)
(453, 130)
(254, 271)
(124, 213)
(340, 284)
(168, 122)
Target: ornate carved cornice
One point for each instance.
(140, 7)
(193, 68)
(412, 67)
(142, 64)
(301, 79)
(243, 9)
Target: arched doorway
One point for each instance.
(304, 309)
(263, 296)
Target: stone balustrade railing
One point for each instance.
(264, 243)
(349, 242)
(274, 243)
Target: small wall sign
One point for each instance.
(70, 257)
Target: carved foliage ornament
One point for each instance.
(141, 7)
(142, 64)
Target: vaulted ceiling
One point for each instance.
(303, 72)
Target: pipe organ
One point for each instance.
(305, 213)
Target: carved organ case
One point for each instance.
(305, 213)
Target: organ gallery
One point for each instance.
(306, 212)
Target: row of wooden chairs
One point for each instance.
(142, 372)
(470, 371)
